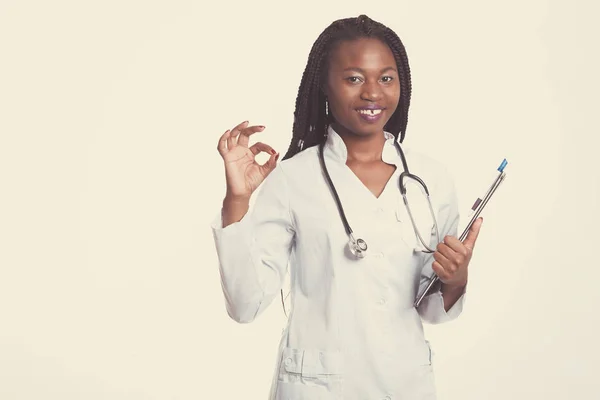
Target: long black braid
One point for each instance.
(310, 117)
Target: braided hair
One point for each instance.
(311, 117)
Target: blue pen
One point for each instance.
(502, 165)
(478, 201)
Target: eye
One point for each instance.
(387, 79)
(353, 79)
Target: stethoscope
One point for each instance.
(358, 247)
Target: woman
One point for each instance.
(353, 332)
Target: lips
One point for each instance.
(370, 113)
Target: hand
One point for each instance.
(452, 257)
(242, 173)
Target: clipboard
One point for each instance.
(477, 208)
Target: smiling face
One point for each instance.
(362, 86)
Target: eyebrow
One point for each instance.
(362, 71)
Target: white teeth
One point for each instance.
(370, 112)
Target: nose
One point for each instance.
(371, 91)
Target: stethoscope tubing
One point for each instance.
(359, 246)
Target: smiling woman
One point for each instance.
(353, 332)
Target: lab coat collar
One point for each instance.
(337, 148)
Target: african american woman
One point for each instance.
(354, 330)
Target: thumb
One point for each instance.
(469, 241)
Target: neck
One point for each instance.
(362, 148)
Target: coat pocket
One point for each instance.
(421, 379)
(309, 374)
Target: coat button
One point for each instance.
(288, 362)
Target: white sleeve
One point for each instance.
(254, 252)
(432, 308)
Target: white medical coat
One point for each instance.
(353, 332)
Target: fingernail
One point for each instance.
(261, 127)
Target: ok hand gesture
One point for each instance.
(242, 173)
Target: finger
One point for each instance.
(222, 145)
(447, 252)
(440, 271)
(270, 164)
(469, 241)
(235, 133)
(442, 260)
(246, 132)
(259, 146)
(230, 141)
(457, 246)
(448, 262)
(453, 242)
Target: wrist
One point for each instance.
(231, 199)
(446, 288)
(234, 209)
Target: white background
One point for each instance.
(109, 118)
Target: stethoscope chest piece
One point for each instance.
(358, 247)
